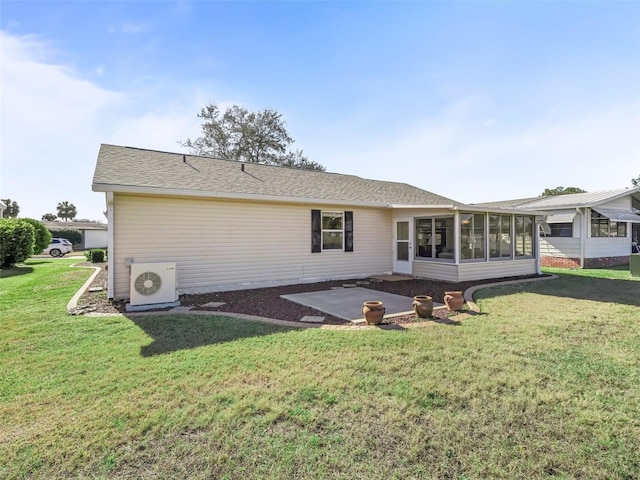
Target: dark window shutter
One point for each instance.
(348, 231)
(316, 231)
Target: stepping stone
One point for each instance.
(213, 304)
(96, 289)
(181, 309)
(312, 319)
(349, 285)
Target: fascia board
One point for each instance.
(101, 187)
(415, 207)
(514, 211)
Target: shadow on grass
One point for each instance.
(15, 271)
(182, 332)
(623, 292)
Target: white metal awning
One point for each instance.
(560, 218)
(619, 215)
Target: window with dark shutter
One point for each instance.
(316, 231)
(348, 231)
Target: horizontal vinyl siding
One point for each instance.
(474, 270)
(496, 269)
(560, 247)
(608, 246)
(436, 270)
(221, 245)
(623, 203)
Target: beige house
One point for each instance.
(585, 230)
(228, 225)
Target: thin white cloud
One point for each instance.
(451, 153)
(53, 122)
(130, 28)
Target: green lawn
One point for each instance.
(544, 384)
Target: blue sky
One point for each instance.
(477, 101)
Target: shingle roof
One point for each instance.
(572, 200)
(578, 199)
(506, 203)
(138, 170)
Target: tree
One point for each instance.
(548, 192)
(67, 211)
(12, 209)
(49, 217)
(256, 137)
(636, 181)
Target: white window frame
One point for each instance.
(327, 230)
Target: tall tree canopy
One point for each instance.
(257, 137)
(636, 181)
(12, 208)
(67, 211)
(561, 191)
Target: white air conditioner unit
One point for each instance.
(153, 283)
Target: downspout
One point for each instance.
(583, 234)
(456, 242)
(537, 247)
(110, 247)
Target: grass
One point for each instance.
(543, 384)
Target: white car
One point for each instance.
(58, 247)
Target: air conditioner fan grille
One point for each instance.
(148, 283)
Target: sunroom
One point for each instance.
(465, 244)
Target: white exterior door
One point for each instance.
(403, 249)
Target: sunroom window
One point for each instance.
(472, 236)
(434, 238)
(500, 236)
(524, 226)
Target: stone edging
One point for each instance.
(73, 303)
(473, 306)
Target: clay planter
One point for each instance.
(373, 312)
(423, 306)
(453, 300)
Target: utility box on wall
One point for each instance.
(634, 264)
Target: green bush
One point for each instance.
(17, 239)
(97, 256)
(71, 234)
(42, 235)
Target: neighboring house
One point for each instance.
(585, 230)
(229, 225)
(94, 235)
(2, 209)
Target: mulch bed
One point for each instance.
(266, 302)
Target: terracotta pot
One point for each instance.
(423, 306)
(373, 312)
(453, 300)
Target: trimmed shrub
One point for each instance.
(42, 235)
(97, 256)
(17, 238)
(71, 234)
